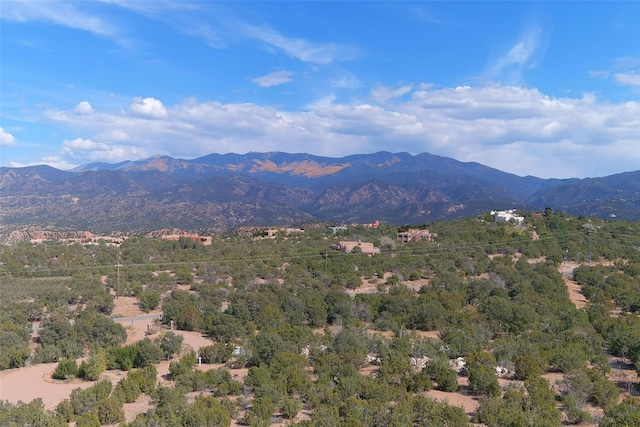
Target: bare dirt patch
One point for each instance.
(32, 382)
(426, 334)
(575, 293)
(128, 306)
(467, 402)
(370, 286)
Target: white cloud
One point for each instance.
(205, 32)
(631, 79)
(382, 94)
(274, 79)
(346, 80)
(510, 128)
(322, 103)
(84, 108)
(509, 65)
(116, 135)
(80, 144)
(66, 14)
(148, 107)
(625, 71)
(298, 48)
(87, 150)
(6, 139)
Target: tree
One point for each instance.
(444, 376)
(170, 343)
(89, 419)
(527, 366)
(14, 340)
(148, 353)
(224, 327)
(64, 410)
(626, 414)
(266, 345)
(189, 319)
(175, 303)
(290, 407)
(483, 380)
(206, 411)
(95, 365)
(171, 403)
(145, 378)
(127, 390)
(148, 300)
(263, 407)
(338, 304)
(110, 411)
(350, 347)
(85, 401)
(216, 353)
(66, 369)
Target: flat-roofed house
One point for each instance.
(414, 235)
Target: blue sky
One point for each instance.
(550, 89)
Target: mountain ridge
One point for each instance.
(219, 192)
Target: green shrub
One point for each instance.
(66, 369)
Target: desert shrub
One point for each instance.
(110, 411)
(66, 369)
(445, 377)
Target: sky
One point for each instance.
(549, 89)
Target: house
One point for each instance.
(505, 216)
(348, 247)
(415, 235)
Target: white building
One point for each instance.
(504, 216)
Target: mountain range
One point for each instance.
(219, 192)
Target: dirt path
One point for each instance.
(575, 291)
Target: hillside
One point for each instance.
(478, 324)
(220, 192)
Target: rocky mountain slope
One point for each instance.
(220, 192)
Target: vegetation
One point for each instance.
(341, 338)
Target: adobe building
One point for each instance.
(415, 235)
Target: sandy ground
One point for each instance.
(31, 382)
(461, 398)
